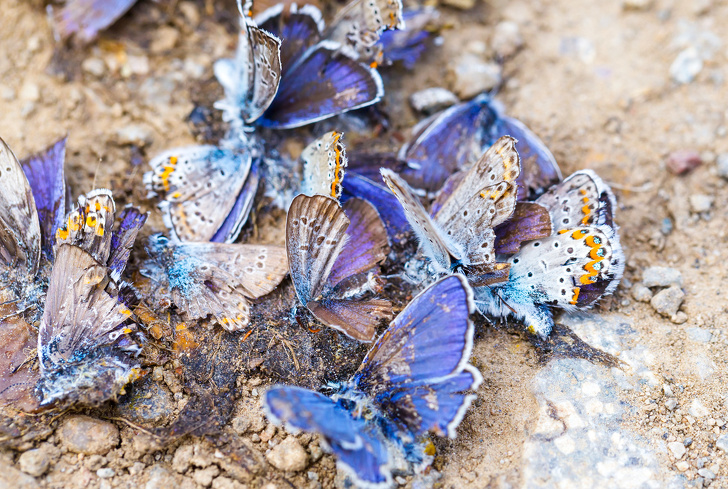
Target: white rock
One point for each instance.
(432, 99)
(697, 409)
(470, 75)
(677, 449)
(722, 442)
(288, 456)
(507, 39)
(686, 66)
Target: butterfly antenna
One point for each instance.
(96, 173)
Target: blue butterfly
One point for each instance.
(413, 381)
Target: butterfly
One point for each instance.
(324, 165)
(334, 255)
(573, 268)
(453, 139)
(460, 236)
(413, 381)
(251, 79)
(320, 77)
(360, 24)
(407, 45)
(216, 279)
(84, 348)
(206, 191)
(84, 19)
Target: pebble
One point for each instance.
(149, 403)
(460, 4)
(84, 434)
(706, 473)
(471, 75)
(204, 477)
(671, 404)
(94, 66)
(683, 161)
(668, 301)
(7, 93)
(34, 462)
(190, 12)
(225, 483)
(136, 134)
(722, 164)
(106, 473)
(159, 478)
(661, 277)
(686, 66)
(697, 409)
(699, 335)
(12, 478)
(165, 38)
(636, 4)
(677, 449)
(30, 92)
(182, 458)
(432, 99)
(507, 39)
(701, 203)
(682, 466)
(722, 442)
(288, 456)
(641, 293)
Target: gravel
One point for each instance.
(288, 456)
(661, 277)
(641, 293)
(34, 462)
(686, 66)
(507, 39)
(83, 434)
(722, 442)
(677, 449)
(722, 165)
(668, 301)
(470, 75)
(432, 99)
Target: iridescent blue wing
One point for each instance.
(127, 228)
(447, 142)
(85, 18)
(389, 208)
(540, 169)
(297, 28)
(327, 81)
(408, 44)
(358, 451)
(44, 172)
(367, 164)
(238, 215)
(529, 221)
(420, 362)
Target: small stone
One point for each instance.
(700, 203)
(507, 39)
(268, 433)
(84, 434)
(677, 449)
(288, 456)
(460, 4)
(165, 38)
(159, 478)
(722, 442)
(34, 462)
(29, 92)
(671, 404)
(225, 483)
(679, 317)
(661, 277)
(668, 301)
(636, 4)
(204, 476)
(136, 468)
(240, 425)
(190, 12)
(683, 161)
(12, 478)
(182, 457)
(667, 390)
(148, 402)
(682, 466)
(699, 335)
(106, 473)
(7, 93)
(432, 99)
(94, 66)
(722, 165)
(641, 293)
(136, 134)
(470, 75)
(686, 66)
(707, 473)
(137, 65)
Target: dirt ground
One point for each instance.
(592, 78)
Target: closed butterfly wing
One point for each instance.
(367, 164)
(89, 226)
(583, 199)
(446, 142)
(324, 165)
(45, 174)
(326, 82)
(199, 186)
(20, 238)
(359, 452)
(298, 28)
(18, 370)
(125, 232)
(360, 23)
(421, 360)
(237, 217)
(80, 320)
(84, 19)
(443, 252)
(250, 80)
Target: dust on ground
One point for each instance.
(593, 80)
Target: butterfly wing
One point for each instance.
(324, 164)
(90, 225)
(540, 170)
(360, 23)
(250, 80)
(45, 174)
(18, 377)
(436, 244)
(420, 361)
(407, 45)
(20, 238)
(123, 237)
(238, 215)
(529, 221)
(446, 142)
(199, 186)
(358, 451)
(298, 28)
(583, 199)
(85, 18)
(327, 81)
(315, 235)
(387, 205)
(367, 164)
(357, 318)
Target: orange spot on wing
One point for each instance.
(576, 295)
